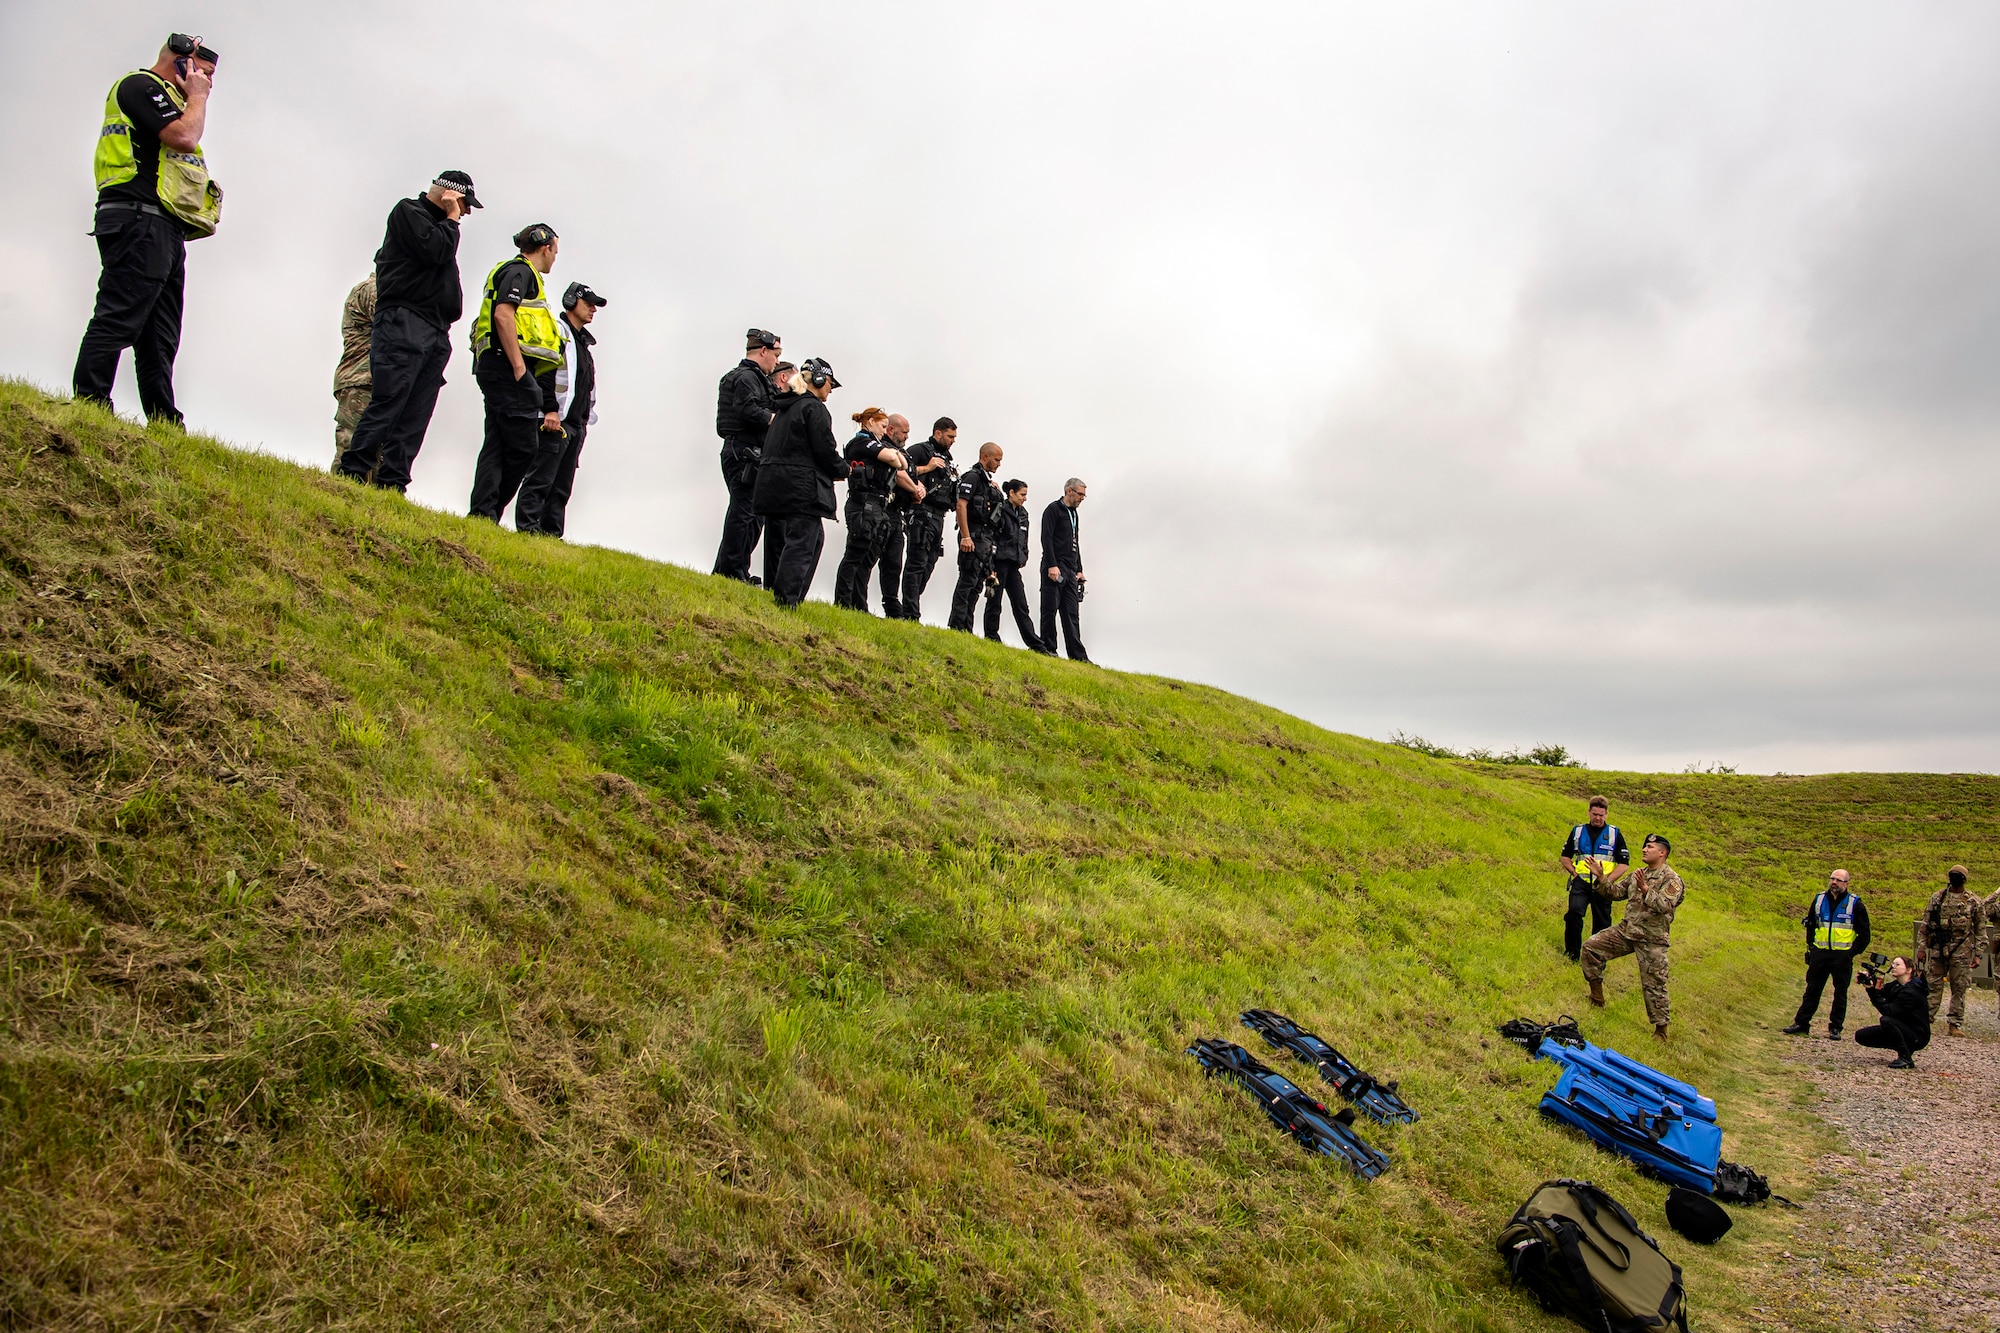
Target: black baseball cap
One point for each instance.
(580, 292)
(458, 180)
(761, 338)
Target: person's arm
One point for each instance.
(183, 135)
(1051, 559)
(1862, 933)
(551, 405)
(1568, 857)
(892, 456)
(915, 488)
(820, 443)
(964, 527)
(509, 338)
(433, 240)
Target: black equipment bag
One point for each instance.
(1585, 1257)
(1737, 1183)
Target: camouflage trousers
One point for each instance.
(1952, 966)
(1614, 942)
(348, 405)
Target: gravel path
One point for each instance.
(1915, 1243)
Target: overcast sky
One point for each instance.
(1613, 375)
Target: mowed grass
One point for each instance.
(413, 925)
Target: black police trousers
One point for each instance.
(544, 501)
(740, 525)
(139, 295)
(406, 360)
(792, 543)
(1822, 964)
(923, 540)
(1582, 899)
(890, 566)
(1062, 599)
(867, 517)
(1016, 593)
(513, 436)
(973, 567)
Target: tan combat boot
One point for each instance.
(1597, 993)
(1951, 1029)
(1659, 1032)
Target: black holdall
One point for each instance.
(1696, 1216)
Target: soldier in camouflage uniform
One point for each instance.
(1992, 906)
(353, 384)
(1652, 897)
(1953, 928)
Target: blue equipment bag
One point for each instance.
(1317, 1129)
(1631, 1079)
(1670, 1144)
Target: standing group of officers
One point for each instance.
(531, 360)
(1955, 931)
(782, 462)
(535, 370)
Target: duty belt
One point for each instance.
(154, 209)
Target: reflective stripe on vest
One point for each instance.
(534, 324)
(114, 163)
(1600, 847)
(1833, 927)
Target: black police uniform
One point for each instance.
(794, 493)
(924, 528)
(869, 482)
(1010, 553)
(544, 503)
(983, 503)
(743, 413)
(1062, 596)
(417, 300)
(514, 408)
(143, 250)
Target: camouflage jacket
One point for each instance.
(357, 330)
(1654, 894)
(1993, 918)
(1959, 918)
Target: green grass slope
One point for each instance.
(413, 925)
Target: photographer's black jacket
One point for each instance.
(1010, 535)
(1907, 1004)
(1059, 539)
(1861, 931)
(743, 405)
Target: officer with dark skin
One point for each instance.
(743, 412)
(1010, 553)
(923, 529)
(979, 502)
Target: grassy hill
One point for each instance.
(410, 924)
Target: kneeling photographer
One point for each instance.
(1904, 1003)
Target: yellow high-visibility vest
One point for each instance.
(184, 189)
(1833, 927)
(534, 323)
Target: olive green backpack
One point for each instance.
(1584, 1256)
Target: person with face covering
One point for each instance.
(795, 476)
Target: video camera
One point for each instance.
(1871, 967)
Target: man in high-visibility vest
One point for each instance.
(1836, 934)
(517, 350)
(1593, 856)
(141, 235)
